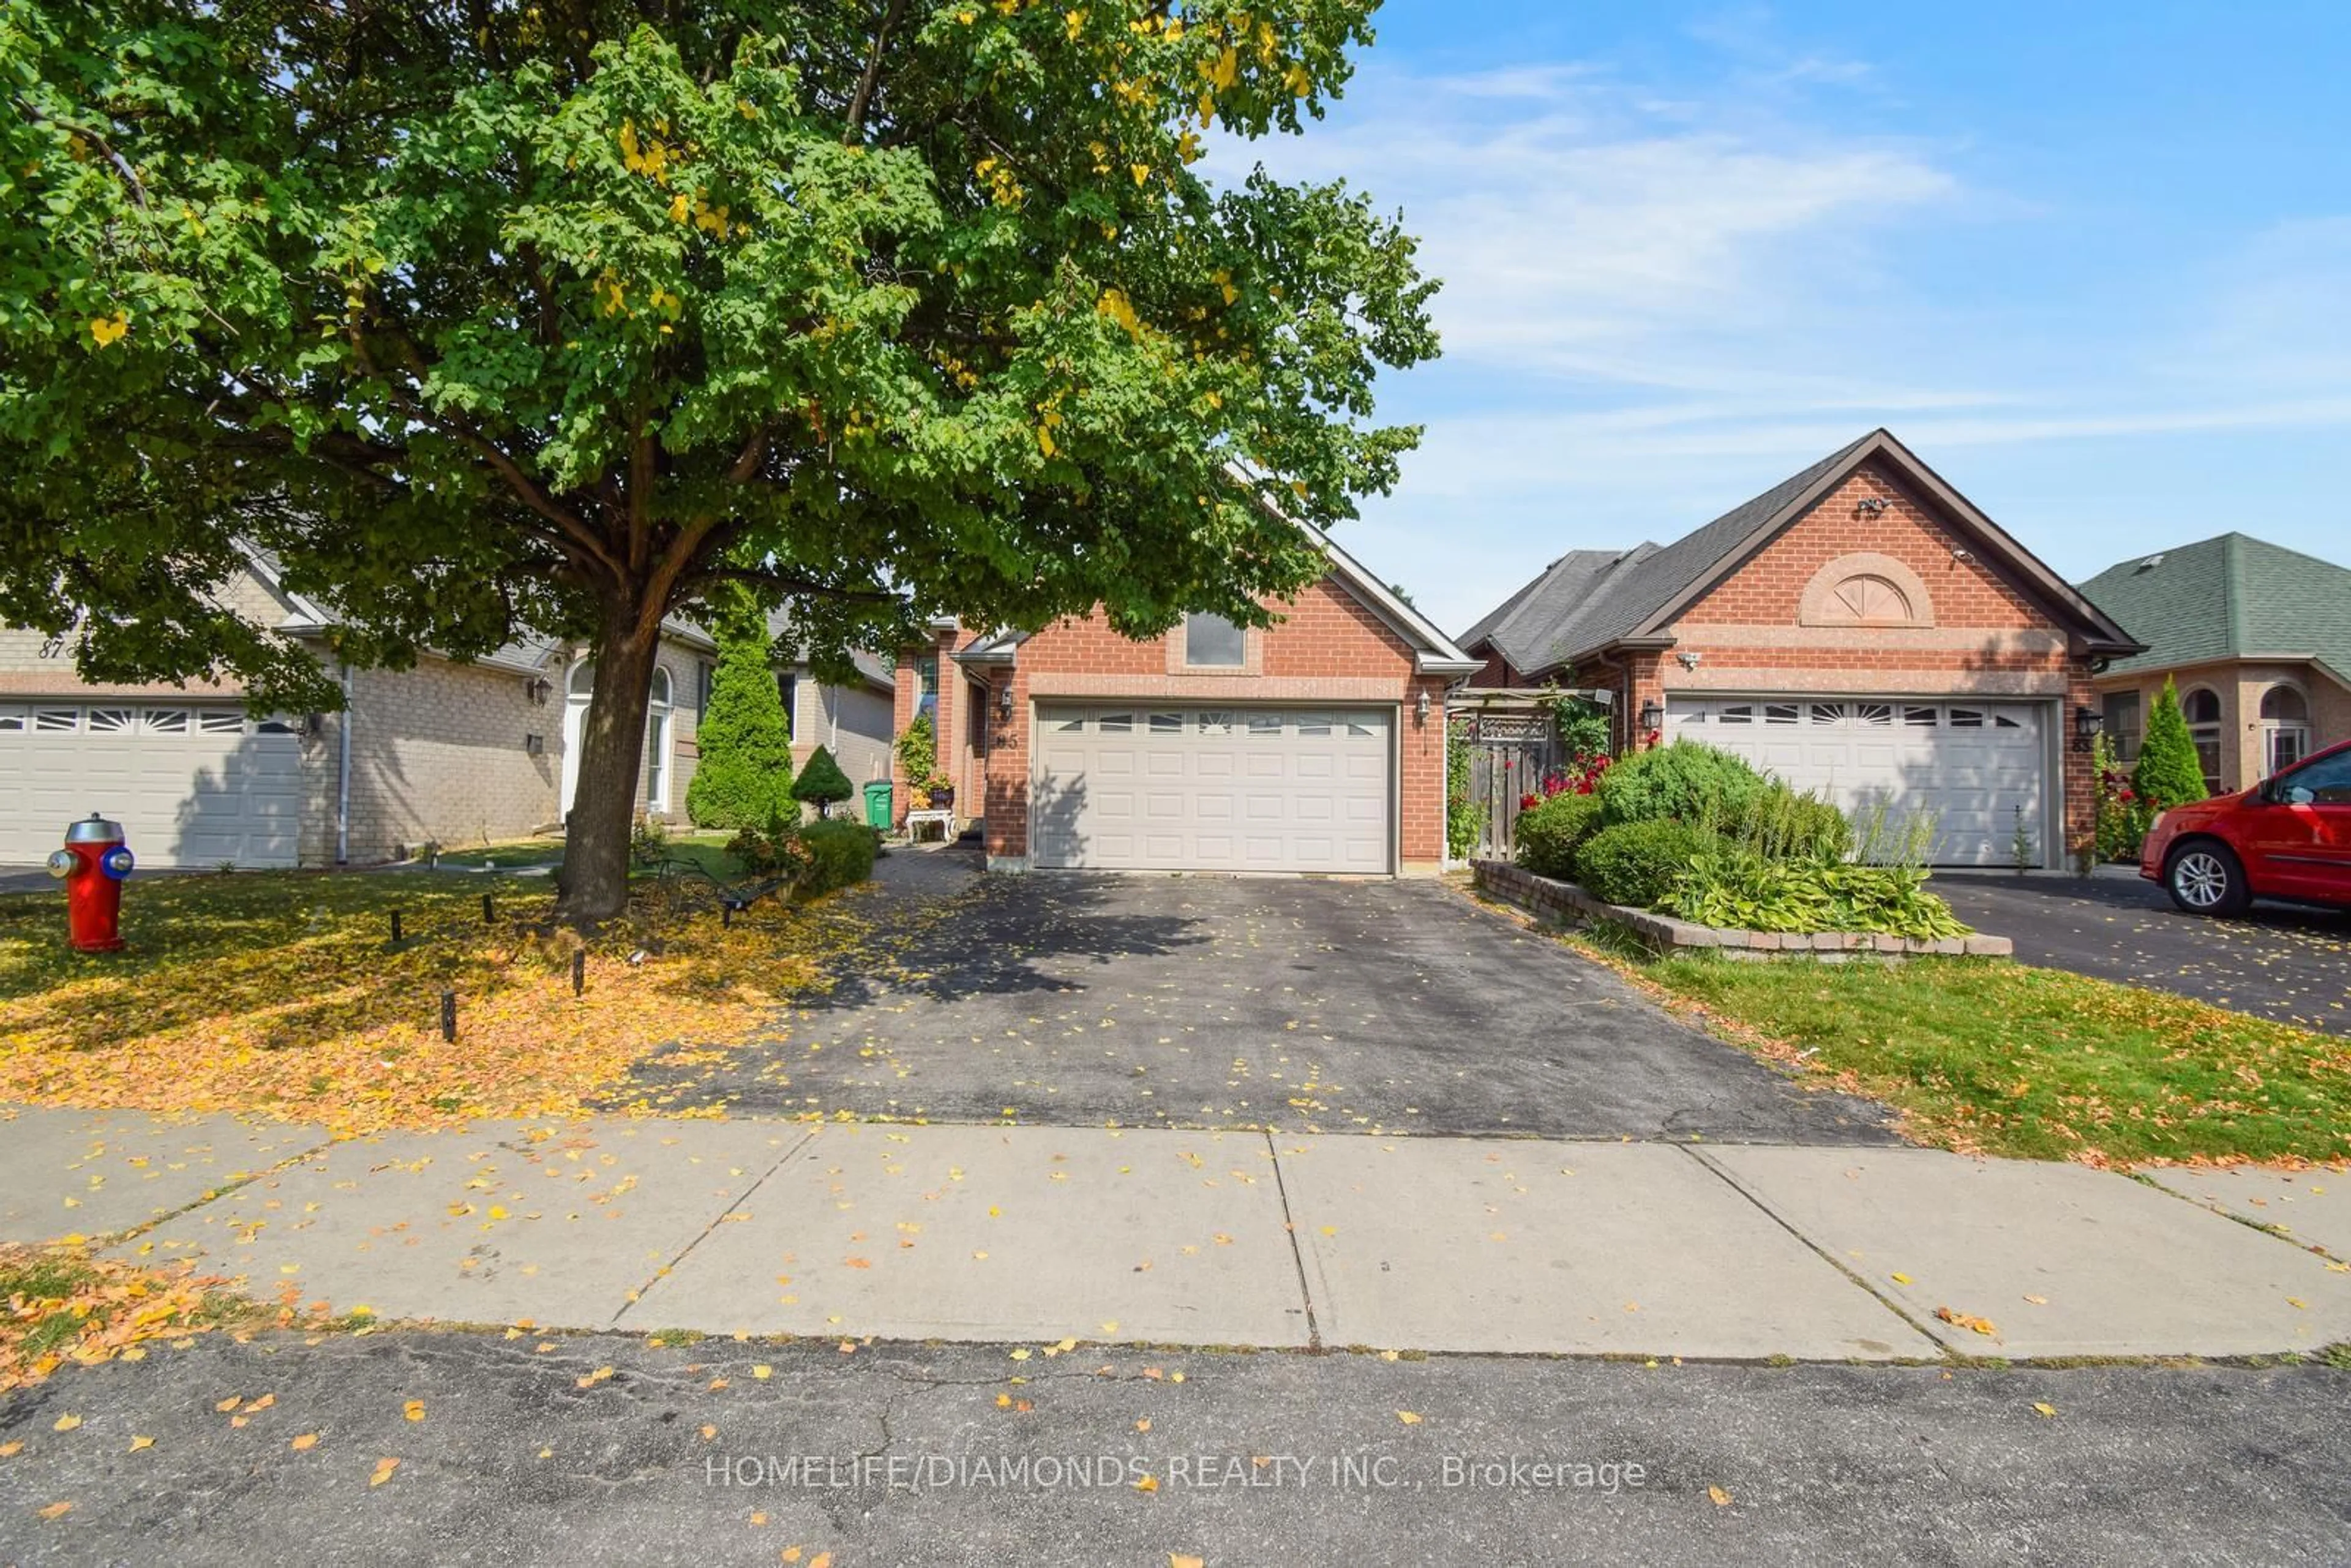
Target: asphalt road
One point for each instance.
(1088, 1000)
(2282, 961)
(511, 1460)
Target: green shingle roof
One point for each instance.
(2234, 597)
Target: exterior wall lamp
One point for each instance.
(1653, 716)
(2088, 722)
(1420, 709)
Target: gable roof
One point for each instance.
(1640, 592)
(1434, 653)
(2234, 597)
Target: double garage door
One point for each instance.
(1979, 770)
(1132, 787)
(192, 785)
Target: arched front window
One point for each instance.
(2203, 708)
(582, 684)
(657, 730)
(2285, 728)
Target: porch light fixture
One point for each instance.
(1004, 700)
(1653, 716)
(1420, 709)
(537, 689)
(2088, 722)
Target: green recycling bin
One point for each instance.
(877, 804)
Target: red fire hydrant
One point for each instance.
(92, 866)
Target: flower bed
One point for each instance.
(1564, 901)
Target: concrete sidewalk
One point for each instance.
(994, 1234)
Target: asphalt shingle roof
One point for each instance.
(1587, 598)
(2228, 597)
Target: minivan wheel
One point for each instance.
(2206, 878)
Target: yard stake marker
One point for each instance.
(449, 1016)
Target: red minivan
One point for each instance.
(2287, 837)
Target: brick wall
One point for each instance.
(1329, 647)
(1774, 625)
(438, 753)
(2241, 687)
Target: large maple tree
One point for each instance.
(483, 316)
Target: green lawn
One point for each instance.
(1989, 1055)
(704, 850)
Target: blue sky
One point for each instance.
(2092, 261)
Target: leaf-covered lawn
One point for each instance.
(58, 1307)
(1992, 1056)
(280, 993)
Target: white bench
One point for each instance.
(918, 820)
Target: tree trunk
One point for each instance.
(594, 883)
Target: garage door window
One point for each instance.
(1265, 724)
(12, 720)
(167, 721)
(221, 721)
(57, 720)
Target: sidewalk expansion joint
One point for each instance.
(716, 1220)
(1297, 1253)
(1822, 1253)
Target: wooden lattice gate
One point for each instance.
(1510, 752)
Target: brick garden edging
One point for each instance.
(1564, 901)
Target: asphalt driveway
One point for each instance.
(1092, 1000)
(2278, 961)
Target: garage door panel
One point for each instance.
(1310, 789)
(190, 787)
(1980, 769)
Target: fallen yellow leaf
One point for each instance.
(763, 1372)
(305, 1443)
(383, 1468)
(138, 1442)
(1721, 1499)
(2045, 1409)
(57, 1511)
(1408, 1417)
(66, 1424)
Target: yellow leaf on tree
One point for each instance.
(108, 330)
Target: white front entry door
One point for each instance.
(192, 784)
(1130, 787)
(1979, 768)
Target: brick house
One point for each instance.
(2258, 638)
(1860, 629)
(1314, 746)
(447, 752)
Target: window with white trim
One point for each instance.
(1211, 642)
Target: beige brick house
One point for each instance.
(446, 752)
(1860, 629)
(2258, 639)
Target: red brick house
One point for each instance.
(1860, 629)
(1316, 745)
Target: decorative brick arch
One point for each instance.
(1865, 589)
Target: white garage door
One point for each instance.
(1223, 789)
(1979, 769)
(192, 785)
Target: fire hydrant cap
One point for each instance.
(94, 829)
(62, 862)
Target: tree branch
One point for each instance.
(863, 100)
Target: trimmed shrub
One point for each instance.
(1548, 834)
(745, 775)
(1686, 781)
(1636, 864)
(839, 854)
(2168, 772)
(823, 782)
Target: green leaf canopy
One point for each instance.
(491, 317)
